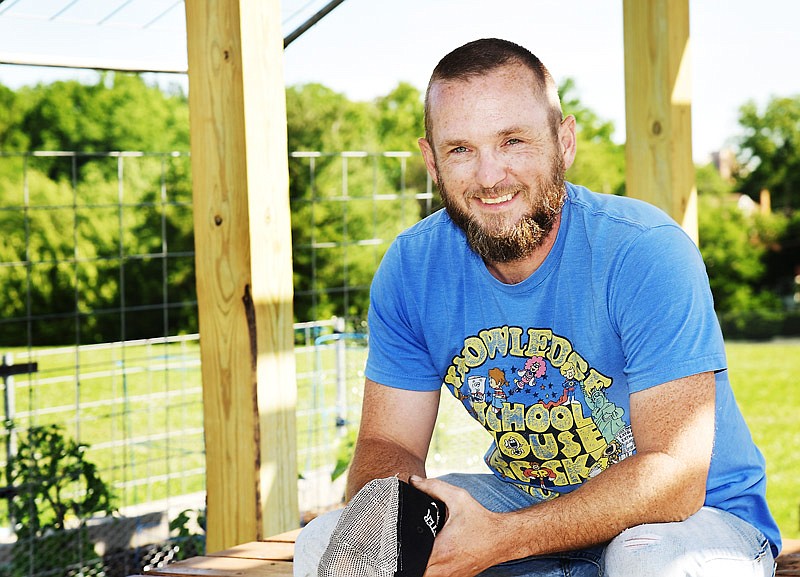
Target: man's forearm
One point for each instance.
(591, 515)
(377, 459)
(656, 490)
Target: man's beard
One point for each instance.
(493, 239)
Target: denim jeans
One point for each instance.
(711, 543)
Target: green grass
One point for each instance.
(138, 407)
(765, 377)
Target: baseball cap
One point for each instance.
(387, 530)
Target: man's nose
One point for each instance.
(491, 170)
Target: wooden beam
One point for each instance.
(244, 269)
(659, 162)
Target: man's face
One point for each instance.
(497, 161)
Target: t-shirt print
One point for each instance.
(556, 420)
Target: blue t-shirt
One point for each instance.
(621, 303)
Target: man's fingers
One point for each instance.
(435, 488)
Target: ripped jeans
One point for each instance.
(710, 543)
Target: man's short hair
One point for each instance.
(480, 57)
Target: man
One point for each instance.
(639, 463)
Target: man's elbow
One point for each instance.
(688, 497)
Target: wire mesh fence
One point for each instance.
(101, 366)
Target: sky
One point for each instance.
(740, 50)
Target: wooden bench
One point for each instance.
(269, 558)
(273, 558)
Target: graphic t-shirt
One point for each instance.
(547, 366)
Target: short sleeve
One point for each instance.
(398, 356)
(663, 309)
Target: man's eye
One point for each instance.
(513, 141)
(459, 149)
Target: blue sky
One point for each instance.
(741, 50)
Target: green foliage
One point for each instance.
(400, 118)
(709, 182)
(119, 112)
(187, 530)
(751, 260)
(339, 228)
(57, 491)
(769, 154)
(11, 111)
(600, 162)
(734, 245)
(75, 238)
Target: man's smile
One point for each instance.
(498, 199)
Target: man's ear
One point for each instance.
(430, 159)
(567, 140)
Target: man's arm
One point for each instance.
(394, 434)
(673, 425)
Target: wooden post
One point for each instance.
(659, 162)
(244, 270)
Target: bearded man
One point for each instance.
(661, 477)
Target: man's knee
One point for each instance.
(637, 551)
(312, 542)
(697, 547)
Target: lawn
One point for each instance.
(764, 377)
(145, 424)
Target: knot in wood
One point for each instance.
(656, 128)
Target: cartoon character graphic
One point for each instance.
(536, 471)
(513, 446)
(611, 455)
(570, 382)
(477, 388)
(605, 414)
(534, 368)
(497, 379)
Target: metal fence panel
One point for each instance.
(96, 326)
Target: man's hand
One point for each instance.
(466, 519)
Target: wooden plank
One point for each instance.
(224, 567)
(659, 165)
(266, 550)
(789, 559)
(287, 537)
(243, 264)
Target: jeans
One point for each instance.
(710, 543)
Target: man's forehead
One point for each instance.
(501, 102)
(511, 72)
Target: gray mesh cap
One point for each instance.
(387, 530)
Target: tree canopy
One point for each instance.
(769, 151)
(102, 226)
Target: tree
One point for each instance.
(119, 112)
(769, 156)
(600, 162)
(736, 246)
(11, 111)
(79, 230)
(334, 230)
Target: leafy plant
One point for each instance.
(56, 491)
(183, 529)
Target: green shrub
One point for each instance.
(56, 490)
